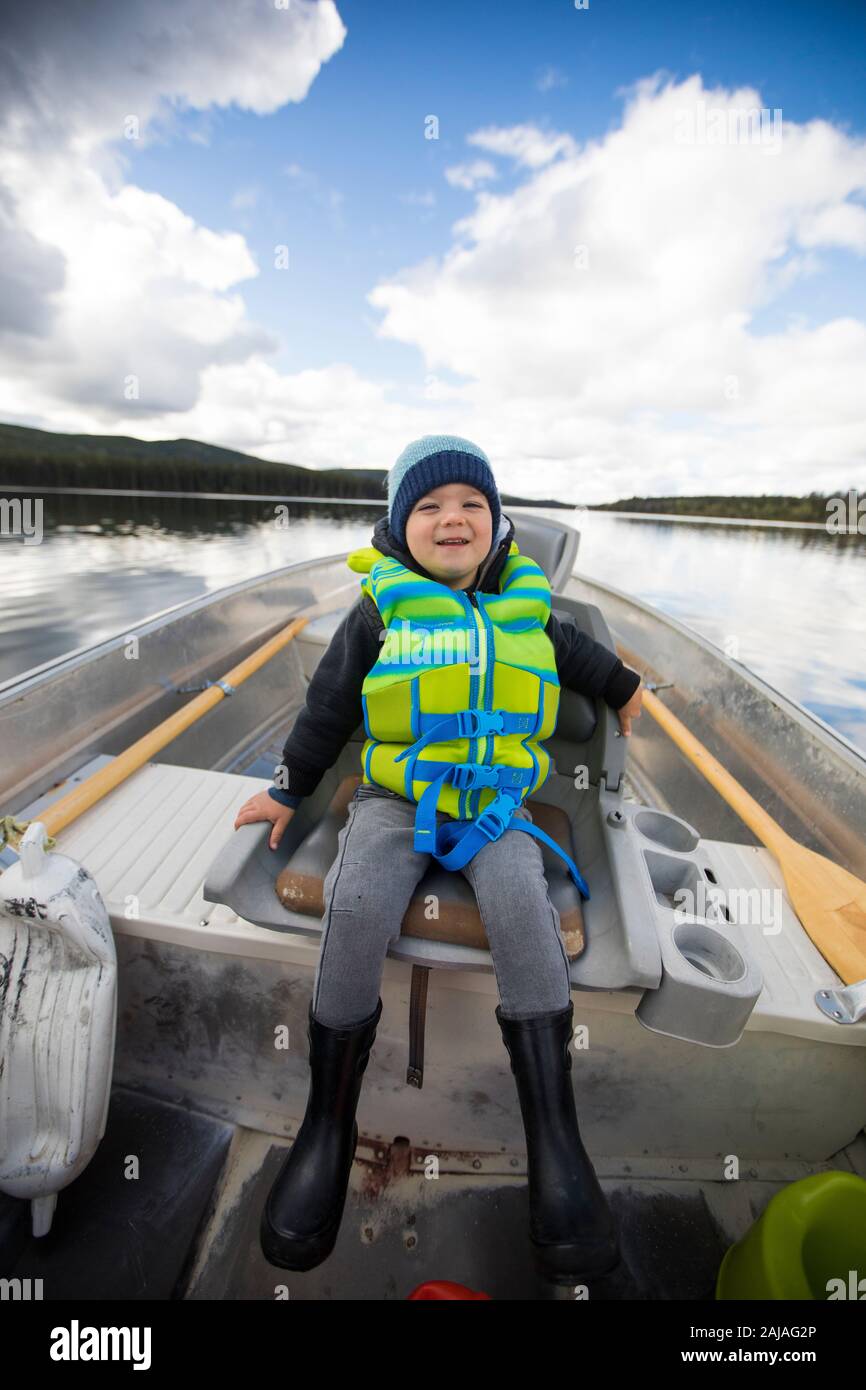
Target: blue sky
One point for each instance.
(357, 133)
(254, 136)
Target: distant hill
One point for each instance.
(775, 507)
(40, 458)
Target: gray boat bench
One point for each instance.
(284, 891)
(455, 938)
(170, 868)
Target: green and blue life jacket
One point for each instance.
(459, 702)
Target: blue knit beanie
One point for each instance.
(430, 462)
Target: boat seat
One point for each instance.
(300, 888)
(300, 885)
(551, 548)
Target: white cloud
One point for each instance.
(598, 318)
(325, 418)
(471, 175)
(612, 293)
(842, 225)
(113, 284)
(74, 72)
(525, 144)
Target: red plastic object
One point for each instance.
(444, 1289)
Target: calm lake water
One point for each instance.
(792, 600)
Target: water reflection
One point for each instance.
(108, 563)
(786, 602)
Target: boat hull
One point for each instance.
(200, 1028)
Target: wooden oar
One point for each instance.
(829, 901)
(100, 783)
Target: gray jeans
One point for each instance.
(371, 882)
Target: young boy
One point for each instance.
(443, 564)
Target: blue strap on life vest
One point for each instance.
(454, 844)
(469, 723)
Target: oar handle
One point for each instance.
(100, 783)
(755, 817)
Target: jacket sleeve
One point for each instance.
(589, 667)
(332, 710)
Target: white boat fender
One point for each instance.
(58, 1019)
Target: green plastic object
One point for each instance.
(811, 1233)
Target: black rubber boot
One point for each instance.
(571, 1228)
(304, 1209)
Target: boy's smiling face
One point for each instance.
(448, 513)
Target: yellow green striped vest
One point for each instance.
(441, 655)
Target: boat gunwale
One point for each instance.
(31, 679)
(762, 686)
(827, 742)
(68, 661)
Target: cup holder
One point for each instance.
(667, 831)
(669, 877)
(709, 981)
(708, 951)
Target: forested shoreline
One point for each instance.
(40, 458)
(815, 507)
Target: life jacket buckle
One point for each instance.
(466, 775)
(475, 723)
(491, 823)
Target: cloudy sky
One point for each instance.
(315, 231)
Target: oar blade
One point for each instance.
(831, 904)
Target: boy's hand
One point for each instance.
(630, 711)
(262, 806)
